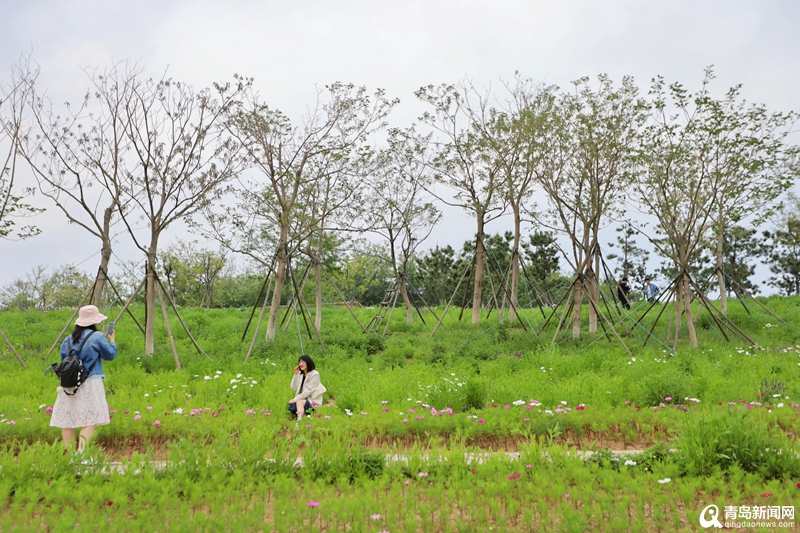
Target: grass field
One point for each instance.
(211, 448)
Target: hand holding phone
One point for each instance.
(110, 328)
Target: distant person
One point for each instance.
(650, 290)
(307, 387)
(622, 293)
(85, 408)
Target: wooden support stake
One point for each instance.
(159, 290)
(11, 347)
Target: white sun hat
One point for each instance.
(89, 315)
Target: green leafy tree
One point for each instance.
(783, 248)
(436, 273)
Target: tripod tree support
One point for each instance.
(258, 324)
(128, 303)
(180, 318)
(304, 310)
(11, 347)
(159, 291)
(461, 279)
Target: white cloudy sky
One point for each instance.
(290, 47)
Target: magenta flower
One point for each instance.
(514, 476)
(386, 409)
(250, 412)
(475, 471)
(766, 495)
(411, 411)
(137, 417)
(528, 466)
(48, 410)
(312, 503)
(125, 412)
(581, 407)
(157, 423)
(481, 421)
(507, 406)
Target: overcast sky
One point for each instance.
(292, 47)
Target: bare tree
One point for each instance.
(596, 138)
(748, 152)
(14, 100)
(398, 209)
(79, 156)
(183, 157)
(465, 163)
(291, 163)
(678, 184)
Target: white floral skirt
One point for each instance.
(87, 407)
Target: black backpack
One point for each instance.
(71, 372)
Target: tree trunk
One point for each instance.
(105, 255)
(150, 299)
(401, 285)
(318, 285)
(280, 278)
(480, 252)
(678, 312)
(512, 315)
(687, 299)
(723, 295)
(105, 259)
(576, 311)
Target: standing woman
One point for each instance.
(85, 408)
(307, 387)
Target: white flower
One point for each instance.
(548, 412)
(664, 481)
(628, 462)
(178, 411)
(238, 375)
(219, 372)
(254, 382)
(207, 378)
(234, 386)
(146, 395)
(779, 405)
(518, 402)
(216, 376)
(452, 374)
(43, 405)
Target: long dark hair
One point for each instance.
(309, 363)
(77, 333)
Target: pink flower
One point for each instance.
(386, 409)
(794, 406)
(475, 471)
(566, 496)
(766, 495)
(749, 406)
(11, 423)
(668, 399)
(137, 417)
(109, 502)
(581, 407)
(384, 402)
(48, 410)
(514, 476)
(481, 421)
(312, 503)
(405, 420)
(507, 406)
(423, 474)
(411, 411)
(375, 516)
(125, 412)
(419, 417)
(526, 419)
(528, 466)
(433, 411)
(655, 409)
(407, 482)
(149, 407)
(326, 416)
(250, 412)
(157, 424)
(627, 402)
(661, 404)
(309, 426)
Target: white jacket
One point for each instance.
(308, 388)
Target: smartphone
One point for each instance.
(110, 328)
